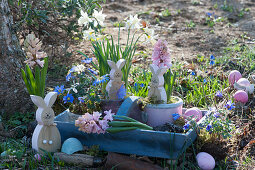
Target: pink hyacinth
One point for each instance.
(161, 56)
(94, 123)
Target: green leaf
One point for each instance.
(31, 78)
(37, 81)
(43, 75)
(29, 88)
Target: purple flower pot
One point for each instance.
(159, 114)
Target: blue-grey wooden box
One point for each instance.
(139, 142)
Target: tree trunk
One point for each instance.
(13, 97)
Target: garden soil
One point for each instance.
(188, 35)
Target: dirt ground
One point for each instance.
(184, 42)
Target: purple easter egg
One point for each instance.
(244, 82)
(193, 113)
(205, 161)
(234, 76)
(241, 96)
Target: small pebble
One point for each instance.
(205, 161)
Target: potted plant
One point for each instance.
(161, 103)
(110, 53)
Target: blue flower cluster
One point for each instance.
(121, 92)
(212, 62)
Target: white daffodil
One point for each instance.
(149, 35)
(84, 19)
(133, 22)
(89, 34)
(99, 18)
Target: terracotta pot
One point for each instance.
(113, 105)
(159, 114)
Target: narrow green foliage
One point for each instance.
(35, 82)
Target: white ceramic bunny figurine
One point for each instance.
(46, 135)
(157, 90)
(115, 78)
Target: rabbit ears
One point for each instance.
(156, 70)
(48, 101)
(119, 64)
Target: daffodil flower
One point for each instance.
(99, 18)
(133, 22)
(84, 19)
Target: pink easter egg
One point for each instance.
(205, 161)
(244, 82)
(234, 76)
(193, 113)
(37, 157)
(241, 96)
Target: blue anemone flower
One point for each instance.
(186, 126)
(208, 127)
(92, 71)
(212, 57)
(176, 116)
(230, 105)
(212, 62)
(121, 92)
(142, 85)
(193, 73)
(216, 114)
(87, 61)
(59, 90)
(219, 94)
(81, 99)
(68, 98)
(209, 14)
(205, 81)
(68, 77)
(100, 80)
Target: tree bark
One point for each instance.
(13, 97)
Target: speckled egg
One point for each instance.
(241, 96)
(193, 112)
(244, 82)
(205, 161)
(234, 76)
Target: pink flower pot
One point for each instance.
(159, 114)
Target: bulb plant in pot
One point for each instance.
(106, 49)
(162, 105)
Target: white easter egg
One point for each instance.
(244, 82)
(205, 161)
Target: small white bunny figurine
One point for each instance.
(46, 135)
(115, 78)
(157, 90)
